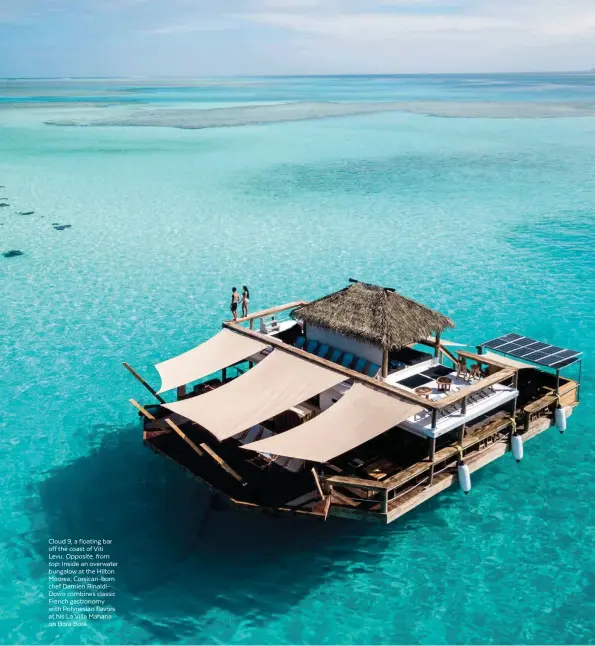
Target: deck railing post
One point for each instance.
(432, 456)
(385, 502)
(437, 347)
(464, 406)
(434, 418)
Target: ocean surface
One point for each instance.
(468, 199)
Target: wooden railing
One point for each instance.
(271, 310)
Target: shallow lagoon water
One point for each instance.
(488, 220)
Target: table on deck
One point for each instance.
(380, 468)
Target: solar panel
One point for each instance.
(565, 363)
(501, 340)
(560, 357)
(529, 349)
(509, 347)
(534, 347)
(537, 356)
(554, 348)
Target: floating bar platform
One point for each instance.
(351, 406)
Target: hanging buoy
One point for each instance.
(516, 444)
(464, 477)
(560, 416)
(463, 472)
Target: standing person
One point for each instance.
(245, 300)
(235, 299)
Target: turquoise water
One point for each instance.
(491, 221)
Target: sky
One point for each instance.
(49, 38)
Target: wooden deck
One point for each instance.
(415, 495)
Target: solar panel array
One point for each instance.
(528, 349)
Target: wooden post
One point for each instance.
(142, 410)
(462, 434)
(384, 504)
(181, 392)
(327, 503)
(251, 324)
(135, 374)
(432, 456)
(183, 435)
(434, 418)
(385, 363)
(224, 375)
(557, 382)
(318, 485)
(464, 406)
(437, 347)
(223, 464)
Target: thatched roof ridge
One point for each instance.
(375, 315)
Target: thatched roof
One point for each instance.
(375, 315)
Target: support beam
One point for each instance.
(327, 503)
(135, 374)
(385, 364)
(449, 354)
(268, 312)
(318, 485)
(183, 435)
(437, 346)
(384, 503)
(462, 434)
(432, 455)
(141, 410)
(223, 464)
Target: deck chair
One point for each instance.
(373, 370)
(311, 346)
(329, 354)
(337, 355)
(347, 360)
(322, 350)
(361, 365)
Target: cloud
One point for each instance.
(317, 36)
(378, 26)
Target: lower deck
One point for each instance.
(379, 481)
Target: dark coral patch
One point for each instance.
(13, 253)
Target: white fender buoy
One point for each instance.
(560, 416)
(516, 444)
(464, 477)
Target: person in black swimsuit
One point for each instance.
(245, 300)
(235, 299)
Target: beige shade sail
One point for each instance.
(220, 351)
(277, 383)
(360, 415)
